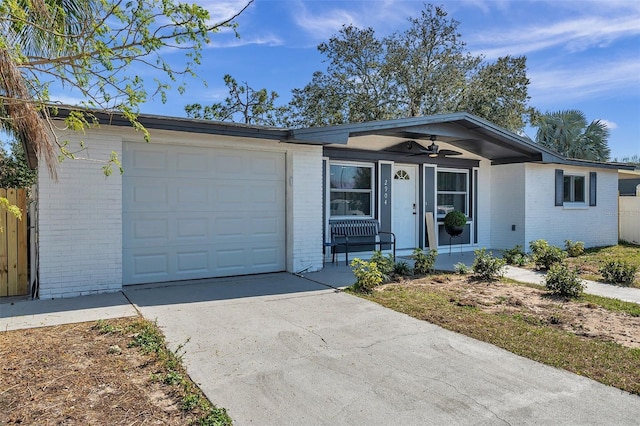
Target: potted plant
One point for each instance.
(454, 223)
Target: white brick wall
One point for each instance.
(507, 206)
(80, 217)
(304, 209)
(80, 223)
(595, 226)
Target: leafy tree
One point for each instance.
(429, 63)
(253, 106)
(423, 70)
(498, 92)
(356, 86)
(96, 50)
(569, 134)
(14, 171)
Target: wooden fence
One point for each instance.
(14, 266)
(629, 219)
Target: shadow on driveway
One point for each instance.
(221, 289)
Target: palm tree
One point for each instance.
(34, 29)
(568, 133)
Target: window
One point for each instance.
(401, 175)
(453, 192)
(351, 189)
(574, 189)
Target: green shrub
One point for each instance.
(545, 255)
(486, 266)
(424, 261)
(402, 269)
(515, 256)
(455, 219)
(386, 264)
(619, 272)
(562, 281)
(461, 268)
(367, 274)
(574, 249)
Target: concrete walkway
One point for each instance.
(607, 290)
(19, 313)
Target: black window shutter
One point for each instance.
(592, 188)
(559, 187)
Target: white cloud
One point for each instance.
(573, 35)
(385, 16)
(220, 10)
(322, 26)
(582, 82)
(266, 40)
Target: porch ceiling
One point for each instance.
(458, 131)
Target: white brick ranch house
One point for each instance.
(209, 199)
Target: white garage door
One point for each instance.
(194, 212)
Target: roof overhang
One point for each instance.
(478, 137)
(191, 125)
(460, 130)
(628, 174)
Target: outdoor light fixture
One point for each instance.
(433, 148)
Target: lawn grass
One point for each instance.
(590, 262)
(606, 362)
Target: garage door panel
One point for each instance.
(193, 262)
(150, 194)
(230, 227)
(192, 228)
(193, 163)
(193, 193)
(266, 195)
(146, 266)
(267, 167)
(266, 227)
(147, 160)
(230, 196)
(228, 163)
(149, 230)
(194, 212)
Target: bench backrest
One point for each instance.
(355, 227)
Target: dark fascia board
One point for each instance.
(331, 134)
(557, 159)
(191, 125)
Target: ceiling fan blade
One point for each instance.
(449, 152)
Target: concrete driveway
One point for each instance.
(279, 349)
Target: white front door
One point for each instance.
(404, 206)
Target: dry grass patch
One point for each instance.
(113, 372)
(589, 336)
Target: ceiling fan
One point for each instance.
(432, 151)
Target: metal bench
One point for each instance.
(358, 233)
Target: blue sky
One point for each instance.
(580, 54)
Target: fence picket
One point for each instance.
(13, 245)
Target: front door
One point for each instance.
(404, 206)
